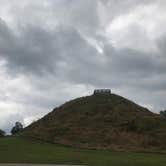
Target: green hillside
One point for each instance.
(102, 122)
(24, 150)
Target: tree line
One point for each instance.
(18, 127)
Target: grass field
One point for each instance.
(23, 150)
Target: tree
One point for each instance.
(17, 128)
(163, 114)
(2, 133)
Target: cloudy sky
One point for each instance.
(52, 51)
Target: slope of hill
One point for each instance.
(102, 122)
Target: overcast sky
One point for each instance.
(52, 51)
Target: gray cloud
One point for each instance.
(53, 51)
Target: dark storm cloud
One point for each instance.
(36, 50)
(52, 51)
(31, 51)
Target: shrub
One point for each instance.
(163, 114)
(17, 128)
(2, 133)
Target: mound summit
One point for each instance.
(102, 121)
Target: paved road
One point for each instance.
(34, 165)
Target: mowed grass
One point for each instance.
(24, 150)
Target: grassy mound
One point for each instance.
(102, 122)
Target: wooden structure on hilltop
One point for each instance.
(102, 92)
